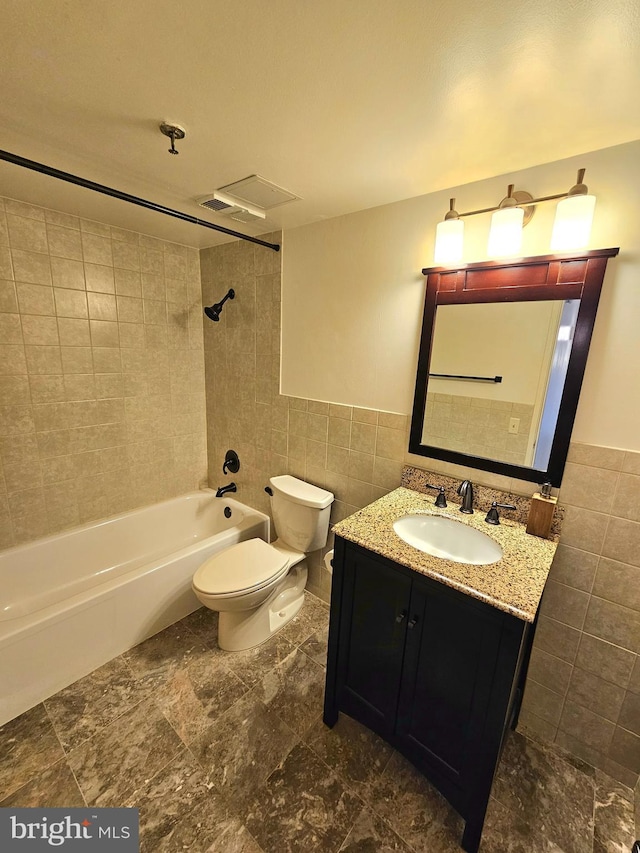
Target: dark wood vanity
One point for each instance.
(436, 673)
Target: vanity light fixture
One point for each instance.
(449, 237)
(571, 230)
(505, 234)
(574, 215)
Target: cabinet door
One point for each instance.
(449, 661)
(374, 619)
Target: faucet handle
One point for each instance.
(441, 501)
(492, 516)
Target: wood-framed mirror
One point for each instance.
(502, 356)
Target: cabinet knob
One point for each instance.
(413, 622)
(401, 616)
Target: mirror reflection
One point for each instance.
(496, 377)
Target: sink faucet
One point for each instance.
(222, 490)
(465, 490)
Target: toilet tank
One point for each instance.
(300, 513)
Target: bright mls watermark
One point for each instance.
(72, 830)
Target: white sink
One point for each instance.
(448, 539)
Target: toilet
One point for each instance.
(256, 587)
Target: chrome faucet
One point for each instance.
(222, 490)
(465, 490)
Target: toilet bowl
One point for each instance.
(256, 587)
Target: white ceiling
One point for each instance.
(347, 104)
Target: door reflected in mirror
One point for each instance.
(496, 378)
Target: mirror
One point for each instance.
(502, 356)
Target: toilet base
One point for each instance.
(239, 630)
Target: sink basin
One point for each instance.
(448, 539)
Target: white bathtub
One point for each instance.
(71, 602)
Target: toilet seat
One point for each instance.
(245, 567)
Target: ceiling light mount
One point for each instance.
(174, 132)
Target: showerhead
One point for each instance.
(213, 311)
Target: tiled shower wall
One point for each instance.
(101, 371)
(583, 689)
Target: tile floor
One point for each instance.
(227, 753)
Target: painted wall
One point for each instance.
(353, 293)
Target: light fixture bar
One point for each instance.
(571, 230)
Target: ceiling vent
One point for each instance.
(258, 192)
(225, 205)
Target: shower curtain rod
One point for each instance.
(132, 199)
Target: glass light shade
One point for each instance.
(572, 225)
(505, 236)
(449, 242)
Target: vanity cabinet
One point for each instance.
(435, 672)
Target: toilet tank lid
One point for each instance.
(300, 492)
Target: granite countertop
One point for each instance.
(513, 584)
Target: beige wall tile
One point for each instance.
(14, 391)
(34, 299)
(63, 220)
(8, 297)
(542, 702)
(96, 249)
(43, 359)
(592, 692)
(390, 443)
(99, 278)
(90, 226)
(130, 309)
(622, 541)
(591, 488)
(30, 267)
(629, 718)
(74, 332)
(613, 623)
(549, 670)
(104, 333)
(626, 503)
(70, 303)
(39, 330)
(596, 457)
(361, 466)
(67, 274)
(46, 389)
(618, 582)
(64, 242)
(594, 730)
(21, 208)
(25, 233)
(584, 529)
(611, 662)
(564, 604)
(625, 749)
(363, 437)
(10, 329)
(102, 306)
(128, 283)
(574, 567)
(557, 639)
(76, 359)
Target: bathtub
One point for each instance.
(71, 602)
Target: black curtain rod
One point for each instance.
(132, 199)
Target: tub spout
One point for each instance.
(222, 490)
